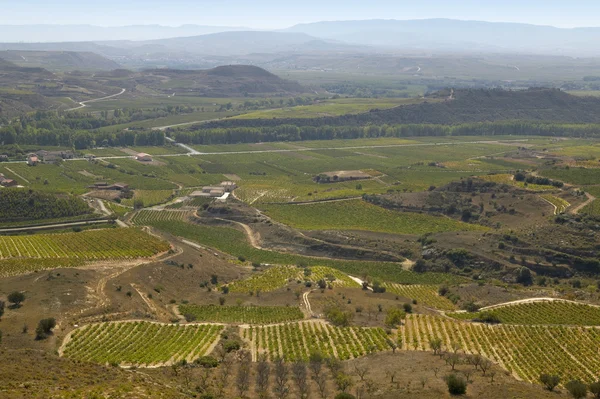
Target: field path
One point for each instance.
(578, 208)
(307, 302)
(18, 175)
(534, 300)
(83, 104)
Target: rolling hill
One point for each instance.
(466, 106)
(59, 60)
(223, 81)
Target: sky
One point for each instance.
(271, 14)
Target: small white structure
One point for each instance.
(143, 157)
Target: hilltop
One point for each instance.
(463, 106)
(223, 81)
(59, 60)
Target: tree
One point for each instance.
(394, 317)
(2, 305)
(436, 345)
(577, 389)
(300, 377)
(361, 371)
(16, 298)
(44, 328)
(485, 365)
(281, 389)
(456, 385)
(345, 395)
(524, 276)
(343, 381)
(263, 370)
(452, 360)
(595, 389)
(315, 364)
(242, 380)
(550, 381)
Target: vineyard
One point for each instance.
(547, 312)
(242, 314)
(146, 217)
(149, 197)
(141, 343)
(560, 204)
(279, 276)
(525, 351)
(16, 266)
(424, 294)
(86, 245)
(509, 179)
(295, 341)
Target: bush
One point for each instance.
(456, 385)
(394, 317)
(577, 389)
(595, 389)
(231, 345)
(488, 317)
(344, 395)
(44, 328)
(407, 307)
(16, 298)
(550, 381)
(208, 362)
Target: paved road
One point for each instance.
(83, 104)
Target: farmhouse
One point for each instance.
(5, 182)
(3, 158)
(32, 159)
(143, 157)
(52, 156)
(229, 186)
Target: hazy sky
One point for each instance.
(270, 14)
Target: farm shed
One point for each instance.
(5, 182)
(229, 186)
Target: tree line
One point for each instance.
(288, 132)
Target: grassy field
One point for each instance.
(332, 107)
(234, 242)
(360, 215)
(149, 197)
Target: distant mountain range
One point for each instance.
(424, 35)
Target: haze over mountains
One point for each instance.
(419, 35)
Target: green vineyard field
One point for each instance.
(141, 343)
(295, 341)
(424, 294)
(279, 276)
(147, 217)
(525, 351)
(86, 245)
(555, 312)
(242, 314)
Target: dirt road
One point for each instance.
(83, 104)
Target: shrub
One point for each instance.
(550, 381)
(208, 362)
(345, 395)
(595, 389)
(44, 328)
(456, 385)
(407, 307)
(488, 317)
(577, 389)
(16, 298)
(394, 317)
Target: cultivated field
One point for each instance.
(141, 344)
(241, 314)
(424, 294)
(525, 351)
(296, 341)
(555, 312)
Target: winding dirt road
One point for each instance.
(83, 104)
